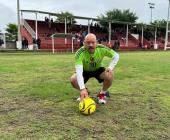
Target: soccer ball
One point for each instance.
(87, 106)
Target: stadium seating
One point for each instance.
(45, 30)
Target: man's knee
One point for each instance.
(108, 77)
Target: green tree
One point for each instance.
(12, 30)
(69, 16)
(159, 23)
(117, 15)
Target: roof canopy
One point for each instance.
(89, 18)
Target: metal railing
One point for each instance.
(28, 27)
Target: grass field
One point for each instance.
(37, 101)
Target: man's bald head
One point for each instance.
(90, 42)
(90, 36)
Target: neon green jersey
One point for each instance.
(92, 62)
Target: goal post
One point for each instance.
(62, 35)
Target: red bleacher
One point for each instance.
(45, 31)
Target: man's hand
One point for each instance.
(83, 94)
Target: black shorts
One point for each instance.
(96, 74)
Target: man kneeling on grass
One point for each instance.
(88, 64)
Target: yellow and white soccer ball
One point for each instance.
(87, 106)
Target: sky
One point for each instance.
(87, 8)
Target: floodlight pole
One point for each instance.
(167, 24)
(151, 6)
(18, 15)
(19, 24)
(151, 13)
